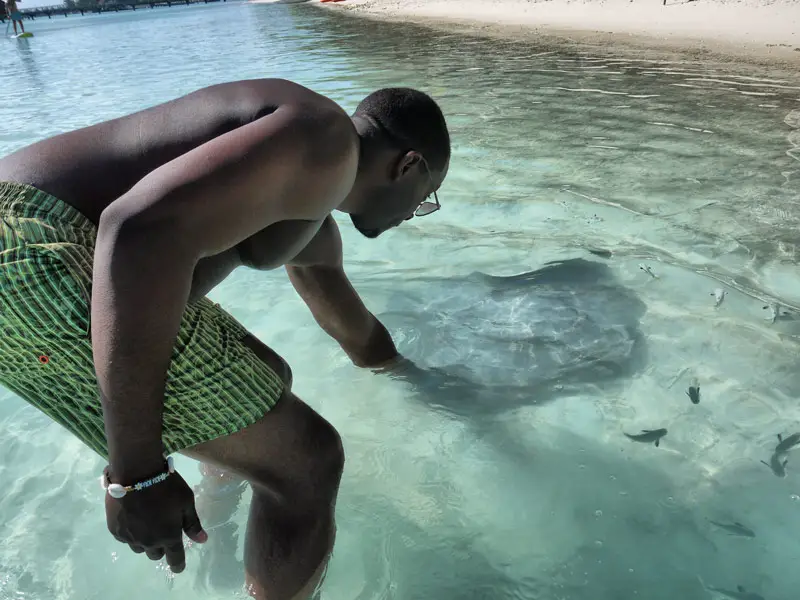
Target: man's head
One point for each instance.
(405, 154)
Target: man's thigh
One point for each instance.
(270, 358)
(290, 452)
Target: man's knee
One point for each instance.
(316, 487)
(304, 457)
(292, 455)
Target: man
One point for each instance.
(110, 238)
(13, 13)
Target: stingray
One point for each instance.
(484, 343)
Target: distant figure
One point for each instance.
(13, 13)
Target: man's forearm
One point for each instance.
(340, 312)
(366, 342)
(140, 289)
(377, 350)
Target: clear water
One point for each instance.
(504, 473)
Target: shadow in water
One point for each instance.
(484, 345)
(448, 562)
(28, 61)
(579, 520)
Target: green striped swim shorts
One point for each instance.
(215, 385)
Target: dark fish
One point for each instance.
(647, 269)
(740, 594)
(694, 394)
(648, 435)
(776, 466)
(786, 444)
(735, 528)
(602, 253)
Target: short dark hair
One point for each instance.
(410, 117)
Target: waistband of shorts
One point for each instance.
(25, 201)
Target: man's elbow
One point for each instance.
(133, 215)
(158, 226)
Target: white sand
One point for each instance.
(746, 27)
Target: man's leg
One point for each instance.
(217, 498)
(293, 460)
(218, 495)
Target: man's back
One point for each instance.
(91, 167)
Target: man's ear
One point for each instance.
(406, 162)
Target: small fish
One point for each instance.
(694, 394)
(648, 270)
(601, 252)
(740, 594)
(774, 311)
(776, 466)
(735, 528)
(648, 435)
(787, 443)
(719, 296)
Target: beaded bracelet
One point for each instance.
(115, 490)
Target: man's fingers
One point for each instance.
(191, 525)
(136, 548)
(176, 559)
(155, 553)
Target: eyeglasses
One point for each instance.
(427, 207)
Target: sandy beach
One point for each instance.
(758, 29)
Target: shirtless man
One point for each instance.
(112, 235)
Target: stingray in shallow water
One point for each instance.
(486, 343)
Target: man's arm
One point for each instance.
(318, 276)
(150, 240)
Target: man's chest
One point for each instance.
(270, 248)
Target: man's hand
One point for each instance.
(153, 520)
(394, 366)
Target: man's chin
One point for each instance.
(368, 233)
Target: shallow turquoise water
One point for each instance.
(505, 474)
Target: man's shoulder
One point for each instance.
(316, 121)
(326, 151)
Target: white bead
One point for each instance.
(115, 490)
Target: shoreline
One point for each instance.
(760, 31)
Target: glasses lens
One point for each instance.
(426, 208)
